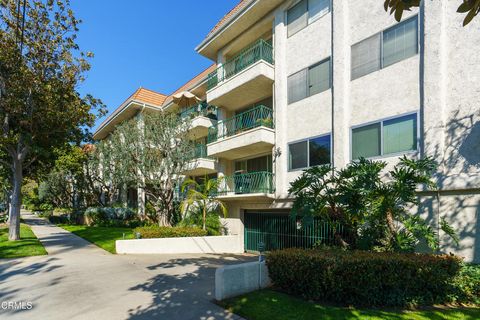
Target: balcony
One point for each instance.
(244, 79)
(248, 133)
(247, 185)
(202, 117)
(200, 164)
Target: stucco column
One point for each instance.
(341, 53)
(280, 102)
(141, 185)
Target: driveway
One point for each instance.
(78, 280)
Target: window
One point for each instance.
(400, 42)
(309, 153)
(304, 13)
(317, 9)
(319, 151)
(366, 57)
(309, 81)
(319, 77)
(366, 141)
(385, 137)
(400, 134)
(298, 155)
(297, 88)
(385, 48)
(297, 17)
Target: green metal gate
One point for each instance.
(279, 231)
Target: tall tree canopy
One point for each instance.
(41, 67)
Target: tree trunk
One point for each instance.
(204, 217)
(16, 200)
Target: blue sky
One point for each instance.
(148, 43)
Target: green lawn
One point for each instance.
(269, 304)
(104, 237)
(28, 245)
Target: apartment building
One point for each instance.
(302, 83)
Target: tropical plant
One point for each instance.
(373, 205)
(202, 198)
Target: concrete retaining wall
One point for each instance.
(214, 244)
(234, 280)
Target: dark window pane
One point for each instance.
(319, 77)
(298, 155)
(320, 151)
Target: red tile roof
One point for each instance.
(148, 96)
(191, 82)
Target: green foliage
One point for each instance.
(396, 7)
(467, 285)
(104, 217)
(169, 232)
(364, 278)
(373, 205)
(40, 106)
(201, 207)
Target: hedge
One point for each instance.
(169, 232)
(364, 278)
(106, 216)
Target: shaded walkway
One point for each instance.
(78, 280)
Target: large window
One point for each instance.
(385, 48)
(305, 12)
(385, 137)
(309, 153)
(309, 81)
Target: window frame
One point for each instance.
(309, 21)
(381, 121)
(307, 82)
(382, 65)
(307, 140)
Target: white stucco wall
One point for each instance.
(440, 83)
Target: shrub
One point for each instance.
(169, 232)
(364, 278)
(109, 217)
(467, 285)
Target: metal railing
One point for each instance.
(245, 183)
(199, 151)
(259, 50)
(250, 119)
(202, 109)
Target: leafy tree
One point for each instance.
(396, 7)
(40, 68)
(372, 204)
(150, 152)
(200, 198)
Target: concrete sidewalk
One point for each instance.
(78, 280)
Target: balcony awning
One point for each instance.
(185, 99)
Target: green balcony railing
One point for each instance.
(202, 109)
(199, 151)
(253, 118)
(245, 183)
(259, 50)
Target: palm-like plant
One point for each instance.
(202, 197)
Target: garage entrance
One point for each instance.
(279, 231)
